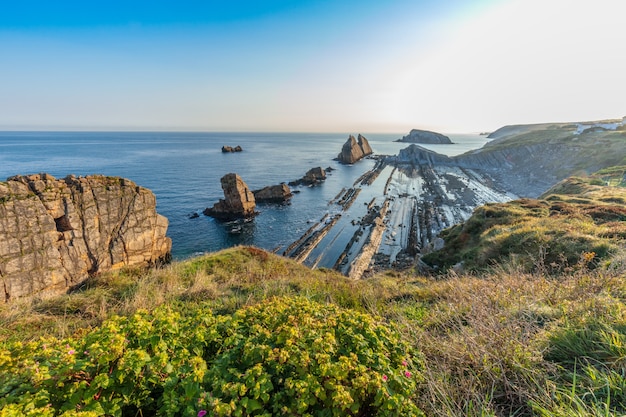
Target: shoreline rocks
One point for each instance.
(354, 150)
(425, 136)
(239, 201)
(55, 233)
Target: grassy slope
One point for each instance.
(578, 223)
(518, 339)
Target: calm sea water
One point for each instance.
(184, 171)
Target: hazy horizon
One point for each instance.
(309, 66)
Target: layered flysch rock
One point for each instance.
(425, 136)
(54, 233)
(354, 149)
(238, 200)
(273, 194)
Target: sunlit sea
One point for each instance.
(184, 171)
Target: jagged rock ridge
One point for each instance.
(54, 233)
(354, 149)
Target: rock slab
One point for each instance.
(354, 150)
(54, 233)
(238, 202)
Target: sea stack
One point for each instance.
(238, 203)
(354, 150)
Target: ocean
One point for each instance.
(184, 170)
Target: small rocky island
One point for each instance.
(425, 136)
(354, 150)
(230, 149)
(239, 201)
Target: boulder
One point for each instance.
(314, 176)
(55, 233)
(354, 150)
(273, 194)
(425, 136)
(238, 203)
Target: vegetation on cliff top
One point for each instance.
(580, 222)
(245, 332)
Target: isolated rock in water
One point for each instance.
(425, 136)
(354, 150)
(55, 233)
(273, 194)
(239, 201)
(228, 149)
(313, 176)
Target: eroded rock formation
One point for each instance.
(354, 149)
(425, 136)
(54, 233)
(238, 200)
(273, 194)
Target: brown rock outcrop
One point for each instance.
(354, 150)
(238, 203)
(54, 233)
(273, 194)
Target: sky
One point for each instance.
(368, 66)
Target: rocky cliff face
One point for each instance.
(238, 203)
(55, 233)
(425, 136)
(354, 150)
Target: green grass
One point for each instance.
(535, 326)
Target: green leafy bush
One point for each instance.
(285, 356)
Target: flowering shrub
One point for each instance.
(286, 356)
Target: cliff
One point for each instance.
(425, 136)
(55, 233)
(528, 159)
(354, 150)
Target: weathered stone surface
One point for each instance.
(54, 233)
(354, 150)
(273, 194)
(425, 136)
(238, 203)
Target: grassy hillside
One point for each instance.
(536, 326)
(579, 223)
(245, 332)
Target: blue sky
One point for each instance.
(343, 65)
